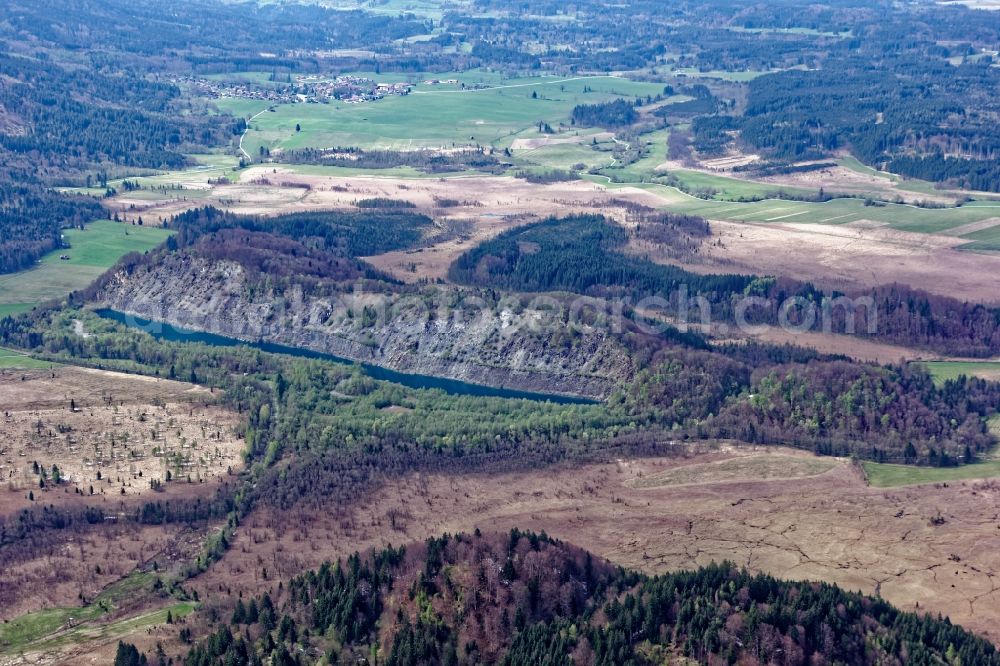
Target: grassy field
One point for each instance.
(723, 204)
(943, 371)
(725, 188)
(740, 469)
(193, 182)
(23, 631)
(567, 155)
(986, 240)
(836, 211)
(10, 358)
(92, 251)
(719, 74)
(438, 116)
(49, 630)
(260, 77)
(246, 108)
(902, 182)
(7, 309)
(891, 476)
(729, 189)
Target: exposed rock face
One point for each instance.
(442, 331)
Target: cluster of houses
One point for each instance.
(235, 89)
(348, 88)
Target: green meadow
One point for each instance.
(444, 116)
(566, 156)
(836, 211)
(891, 476)
(438, 116)
(943, 371)
(10, 358)
(8, 309)
(55, 627)
(92, 251)
(246, 108)
(985, 240)
(742, 77)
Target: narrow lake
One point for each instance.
(163, 331)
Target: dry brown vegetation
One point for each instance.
(831, 178)
(77, 569)
(277, 190)
(842, 180)
(108, 434)
(542, 141)
(850, 256)
(859, 349)
(110, 430)
(928, 548)
(481, 206)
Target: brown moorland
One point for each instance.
(933, 548)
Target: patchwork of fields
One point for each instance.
(442, 116)
(902, 217)
(505, 113)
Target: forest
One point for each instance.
(373, 230)
(332, 417)
(62, 126)
(907, 114)
(451, 601)
(32, 218)
(309, 443)
(586, 254)
(613, 115)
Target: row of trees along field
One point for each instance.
(524, 598)
(429, 161)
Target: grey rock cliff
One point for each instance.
(443, 331)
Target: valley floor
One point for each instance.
(930, 548)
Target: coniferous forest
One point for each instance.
(524, 598)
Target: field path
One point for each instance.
(247, 129)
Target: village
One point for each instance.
(311, 88)
(348, 88)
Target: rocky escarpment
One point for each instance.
(440, 331)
